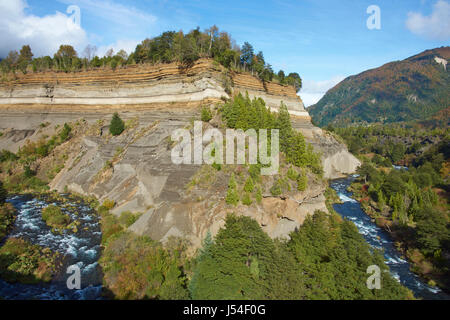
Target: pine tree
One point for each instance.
(246, 199)
(232, 195)
(249, 185)
(3, 193)
(302, 182)
(117, 126)
(258, 195)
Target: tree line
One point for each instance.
(168, 47)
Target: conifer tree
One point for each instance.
(232, 195)
(117, 126)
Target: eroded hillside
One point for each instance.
(134, 169)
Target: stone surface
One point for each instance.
(135, 169)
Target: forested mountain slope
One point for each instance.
(413, 89)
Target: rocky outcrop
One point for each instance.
(337, 161)
(135, 169)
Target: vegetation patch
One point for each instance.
(55, 218)
(21, 261)
(7, 218)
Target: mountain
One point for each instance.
(414, 89)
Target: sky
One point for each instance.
(324, 41)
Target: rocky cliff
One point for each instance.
(135, 169)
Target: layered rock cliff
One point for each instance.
(135, 169)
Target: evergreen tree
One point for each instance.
(3, 193)
(249, 185)
(302, 182)
(117, 126)
(232, 195)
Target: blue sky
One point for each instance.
(323, 40)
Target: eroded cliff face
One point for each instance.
(135, 169)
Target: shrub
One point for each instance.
(21, 261)
(6, 218)
(127, 218)
(109, 204)
(6, 155)
(206, 114)
(28, 173)
(54, 217)
(276, 188)
(117, 125)
(65, 132)
(292, 174)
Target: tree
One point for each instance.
(247, 54)
(3, 193)
(295, 80)
(237, 264)
(122, 54)
(432, 230)
(64, 57)
(12, 60)
(66, 52)
(302, 182)
(249, 185)
(25, 54)
(89, 52)
(25, 58)
(281, 76)
(232, 195)
(117, 126)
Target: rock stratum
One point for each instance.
(135, 169)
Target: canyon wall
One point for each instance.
(135, 169)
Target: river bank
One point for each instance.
(79, 247)
(380, 239)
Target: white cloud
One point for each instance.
(313, 91)
(127, 45)
(434, 26)
(43, 34)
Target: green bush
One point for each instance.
(117, 126)
(109, 204)
(28, 173)
(6, 219)
(127, 218)
(206, 114)
(21, 261)
(292, 174)
(54, 217)
(65, 132)
(276, 189)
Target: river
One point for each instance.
(380, 239)
(81, 248)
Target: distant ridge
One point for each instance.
(414, 89)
